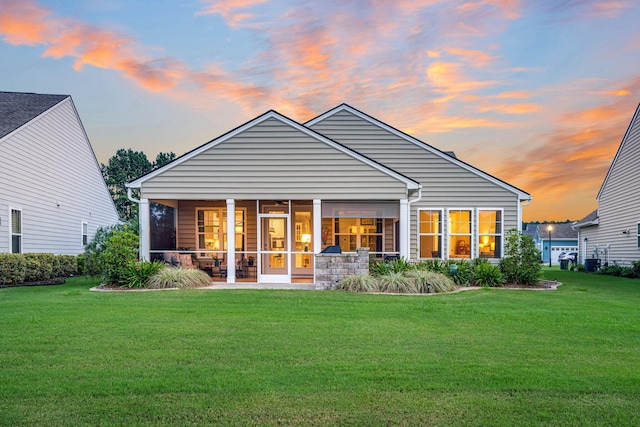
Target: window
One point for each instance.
(353, 233)
(16, 231)
(489, 233)
(639, 234)
(212, 229)
(430, 233)
(460, 234)
(85, 234)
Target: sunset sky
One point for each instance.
(536, 92)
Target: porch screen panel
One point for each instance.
(360, 210)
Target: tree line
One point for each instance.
(125, 166)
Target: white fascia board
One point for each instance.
(410, 183)
(522, 196)
(615, 158)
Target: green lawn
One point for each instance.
(489, 357)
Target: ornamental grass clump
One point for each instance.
(178, 277)
(397, 283)
(358, 283)
(139, 274)
(431, 281)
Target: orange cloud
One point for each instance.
(21, 22)
(477, 57)
(571, 159)
(232, 11)
(512, 108)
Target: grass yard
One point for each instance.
(489, 357)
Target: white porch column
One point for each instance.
(145, 229)
(405, 222)
(317, 226)
(231, 241)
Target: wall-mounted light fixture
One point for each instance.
(627, 231)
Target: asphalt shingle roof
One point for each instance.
(558, 231)
(18, 108)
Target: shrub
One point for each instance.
(427, 281)
(397, 265)
(178, 277)
(358, 283)
(487, 275)
(636, 268)
(118, 254)
(39, 267)
(139, 273)
(13, 269)
(92, 263)
(464, 275)
(379, 268)
(521, 263)
(397, 283)
(579, 267)
(436, 264)
(66, 265)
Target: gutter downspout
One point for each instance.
(409, 203)
(143, 222)
(520, 206)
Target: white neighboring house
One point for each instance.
(53, 197)
(612, 232)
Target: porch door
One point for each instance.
(274, 244)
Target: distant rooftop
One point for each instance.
(18, 108)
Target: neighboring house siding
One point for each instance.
(49, 160)
(273, 160)
(619, 200)
(444, 184)
(618, 204)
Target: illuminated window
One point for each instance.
(489, 233)
(353, 233)
(212, 229)
(430, 233)
(459, 234)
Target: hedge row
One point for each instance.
(24, 268)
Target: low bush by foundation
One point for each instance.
(358, 283)
(35, 267)
(178, 277)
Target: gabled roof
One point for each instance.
(587, 221)
(558, 231)
(271, 114)
(634, 121)
(19, 108)
(522, 195)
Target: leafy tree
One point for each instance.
(125, 166)
(164, 158)
(521, 263)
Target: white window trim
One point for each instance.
(442, 231)
(448, 233)
(11, 234)
(222, 209)
(638, 233)
(477, 231)
(82, 234)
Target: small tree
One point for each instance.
(119, 255)
(521, 263)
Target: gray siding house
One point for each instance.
(52, 194)
(342, 179)
(612, 232)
